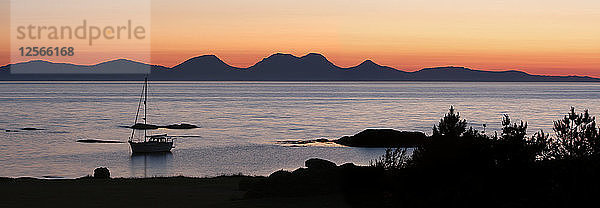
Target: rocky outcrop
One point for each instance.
(317, 178)
(383, 138)
(101, 173)
(316, 163)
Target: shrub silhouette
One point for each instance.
(392, 159)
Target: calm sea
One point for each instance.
(241, 122)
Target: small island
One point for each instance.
(383, 138)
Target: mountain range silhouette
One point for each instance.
(277, 67)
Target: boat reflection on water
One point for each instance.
(151, 164)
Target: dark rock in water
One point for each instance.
(98, 141)
(383, 138)
(347, 165)
(300, 171)
(24, 129)
(181, 126)
(322, 140)
(101, 173)
(311, 141)
(143, 126)
(172, 126)
(31, 129)
(316, 163)
(53, 177)
(280, 174)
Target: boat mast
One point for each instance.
(137, 113)
(145, 104)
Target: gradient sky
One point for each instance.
(553, 37)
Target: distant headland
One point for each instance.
(277, 67)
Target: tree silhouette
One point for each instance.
(576, 137)
(513, 132)
(450, 125)
(514, 149)
(451, 145)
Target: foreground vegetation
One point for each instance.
(458, 166)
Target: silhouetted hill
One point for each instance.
(369, 70)
(119, 69)
(466, 74)
(289, 67)
(277, 67)
(118, 66)
(4, 69)
(207, 67)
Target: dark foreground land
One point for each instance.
(147, 192)
(322, 184)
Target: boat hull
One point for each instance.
(149, 147)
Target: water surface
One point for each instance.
(241, 121)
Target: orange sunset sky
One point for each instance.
(552, 37)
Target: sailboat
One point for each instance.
(148, 143)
